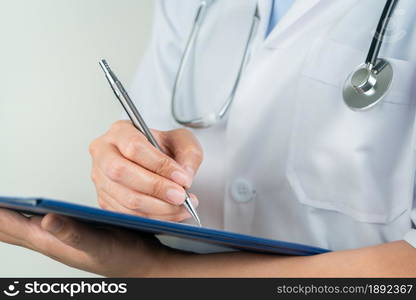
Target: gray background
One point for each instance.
(54, 100)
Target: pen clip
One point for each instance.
(111, 78)
(118, 89)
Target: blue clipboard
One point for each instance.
(223, 239)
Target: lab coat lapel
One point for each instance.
(303, 11)
(264, 7)
(298, 9)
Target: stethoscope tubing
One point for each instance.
(378, 37)
(373, 64)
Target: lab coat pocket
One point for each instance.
(356, 163)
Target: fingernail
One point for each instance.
(190, 171)
(181, 178)
(195, 202)
(175, 196)
(55, 225)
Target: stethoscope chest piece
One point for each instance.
(368, 85)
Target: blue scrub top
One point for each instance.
(279, 9)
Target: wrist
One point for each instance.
(150, 259)
(163, 262)
(169, 263)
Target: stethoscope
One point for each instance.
(364, 88)
(369, 83)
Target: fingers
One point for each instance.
(19, 230)
(134, 146)
(103, 251)
(124, 172)
(109, 203)
(185, 149)
(10, 240)
(13, 227)
(132, 176)
(134, 202)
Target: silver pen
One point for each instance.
(138, 122)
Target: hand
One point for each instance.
(133, 177)
(104, 251)
(119, 253)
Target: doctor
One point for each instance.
(289, 160)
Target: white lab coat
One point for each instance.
(292, 161)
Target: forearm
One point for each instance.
(396, 259)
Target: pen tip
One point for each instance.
(196, 218)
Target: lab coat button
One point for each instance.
(242, 190)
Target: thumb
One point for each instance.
(185, 149)
(73, 234)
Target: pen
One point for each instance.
(138, 122)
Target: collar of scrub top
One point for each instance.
(288, 22)
(277, 11)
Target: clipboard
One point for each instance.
(219, 240)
